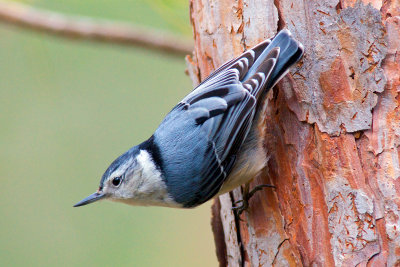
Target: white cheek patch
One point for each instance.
(150, 177)
(145, 185)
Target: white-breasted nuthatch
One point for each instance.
(209, 143)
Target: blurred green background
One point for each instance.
(67, 109)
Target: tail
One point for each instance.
(259, 68)
(272, 60)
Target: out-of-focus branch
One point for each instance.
(89, 29)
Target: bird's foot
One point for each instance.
(239, 209)
(258, 188)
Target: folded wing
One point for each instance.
(201, 136)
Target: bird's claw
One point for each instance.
(258, 188)
(238, 210)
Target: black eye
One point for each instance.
(116, 181)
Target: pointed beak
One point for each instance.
(90, 199)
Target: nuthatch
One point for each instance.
(209, 143)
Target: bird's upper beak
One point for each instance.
(90, 199)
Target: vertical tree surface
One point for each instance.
(333, 133)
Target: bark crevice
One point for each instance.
(333, 132)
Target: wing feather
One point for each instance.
(202, 135)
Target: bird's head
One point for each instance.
(133, 178)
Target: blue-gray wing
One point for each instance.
(200, 138)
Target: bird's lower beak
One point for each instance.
(90, 199)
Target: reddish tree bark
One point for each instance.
(333, 133)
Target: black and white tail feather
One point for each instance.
(222, 109)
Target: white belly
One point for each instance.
(252, 158)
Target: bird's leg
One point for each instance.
(244, 202)
(247, 194)
(258, 188)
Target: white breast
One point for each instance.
(252, 157)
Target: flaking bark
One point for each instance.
(333, 132)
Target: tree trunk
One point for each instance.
(333, 133)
